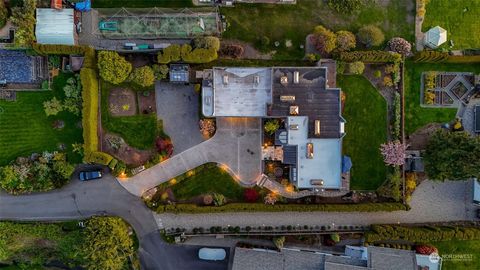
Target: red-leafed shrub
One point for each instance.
(164, 146)
(250, 195)
(426, 249)
(231, 51)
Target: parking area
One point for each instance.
(178, 107)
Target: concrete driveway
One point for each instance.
(178, 107)
(236, 145)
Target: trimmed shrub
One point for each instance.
(99, 158)
(89, 81)
(112, 164)
(143, 76)
(169, 54)
(426, 249)
(231, 51)
(420, 234)
(371, 56)
(377, 74)
(59, 49)
(207, 43)
(199, 56)
(400, 45)
(112, 67)
(356, 67)
(250, 195)
(371, 35)
(260, 207)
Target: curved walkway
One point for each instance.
(236, 145)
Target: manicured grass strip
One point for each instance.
(461, 25)
(138, 131)
(25, 128)
(416, 116)
(458, 247)
(206, 181)
(141, 3)
(365, 112)
(261, 207)
(251, 22)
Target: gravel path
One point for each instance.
(431, 202)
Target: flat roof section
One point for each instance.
(324, 164)
(309, 89)
(241, 92)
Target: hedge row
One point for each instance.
(175, 53)
(381, 233)
(99, 158)
(370, 56)
(463, 59)
(58, 49)
(89, 81)
(259, 207)
(430, 56)
(87, 51)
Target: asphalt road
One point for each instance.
(80, 200)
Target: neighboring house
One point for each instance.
(310, 143)
(55, 26)
(360, 258)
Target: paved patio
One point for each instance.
(236, 145)
(177, 106)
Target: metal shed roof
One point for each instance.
(55, 26)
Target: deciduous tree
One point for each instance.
(346, 40)
(323, 39)
(393, 153)
(371, 35)
(113, 67)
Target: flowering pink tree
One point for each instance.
(393, 153)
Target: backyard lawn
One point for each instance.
(459, 18)
(251, 22)
(208, 180)
(141, 3)
(25, 128)
(365, 111)
(470, 247)
(139, 131)
(416, 116)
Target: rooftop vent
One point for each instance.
(225, 79)
(309, 150)
(293, 110)
(317, 127)
(284, 80)
(317, 182)
(296, 77)
(287, 98)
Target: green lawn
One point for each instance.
(460, 247)
(38, 243)
(24, 127)
(415, 116)
(250, 22)
(138, 131)
(365, 111)
(461, 26)
(206, 181)
(141, 3)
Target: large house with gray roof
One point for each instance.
(310, 140)
(354, 258)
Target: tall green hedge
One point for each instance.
(371, 56)
(260, 207)
(175, 53)
(89, 80)
(381, 233)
